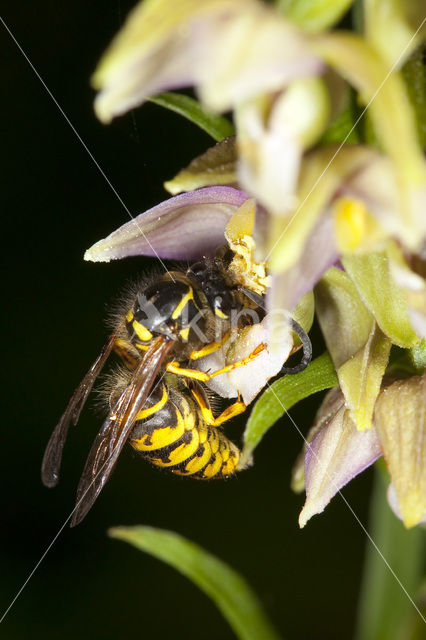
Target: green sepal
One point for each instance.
(280, 396)
(216, 126)
(314, 15)
(418, 356)
(228, 590)
(216, 166)
(371, 275)
(358, 348)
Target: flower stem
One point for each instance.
(385, 607)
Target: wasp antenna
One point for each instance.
(306, 345)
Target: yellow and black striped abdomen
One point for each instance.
(171, 433)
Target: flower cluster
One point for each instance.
(341, 217)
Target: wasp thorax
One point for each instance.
(168, 307)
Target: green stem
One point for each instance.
(390, 583)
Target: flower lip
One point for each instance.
(184, 227)
(249, 380)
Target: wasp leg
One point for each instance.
(233, 410)
(195, 374)
(122, 349)
(240, 363)
(209, 348)
(174, 367)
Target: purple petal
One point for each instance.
(185, 227)
(320, 253)
(337, 453)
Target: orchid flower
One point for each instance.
(167, 44)
(191, 226)
(280, 104)
(352, 212)
(336, 451)
(334, 219)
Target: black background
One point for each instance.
(55, 205)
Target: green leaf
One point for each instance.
(372, 277)
(385, 609)
(230, 592)
(215, 166)
(216, 126)
(282, 395)
(314, 15)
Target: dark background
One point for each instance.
(55, 205)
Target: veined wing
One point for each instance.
(53, 454)
(117, 427)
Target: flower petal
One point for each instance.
(337, 453)
(249, 379)
(321, 175)
(400, 421)
(273, 131)
(376, 184)
(269, 156)
(166, 44)
(154, 51)
(392, 116)
(275, 53)
(185, 227)
(319, 254)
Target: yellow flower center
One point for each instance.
(350, 221)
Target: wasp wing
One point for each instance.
(53, 455)
(117, 427)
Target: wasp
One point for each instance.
(161, 408)
(176, 430)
